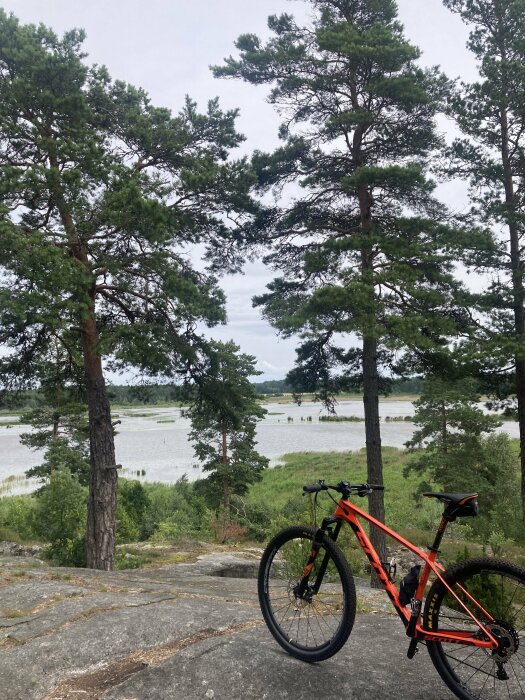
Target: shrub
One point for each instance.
(170, 530)
(17, 518)
(226, 530)
(175, 511)
(127, 528)
(60, 518)
(254, 517)
(133, 501)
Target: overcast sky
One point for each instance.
(167, 46)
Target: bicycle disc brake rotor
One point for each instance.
(300, 600)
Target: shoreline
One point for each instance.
(268, 398)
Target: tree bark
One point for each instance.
(517, 294)
(102, 504)
(225, 480)
(374, 458)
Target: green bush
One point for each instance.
(254, 517)
(175, 511)
(17, 518)
(127, 529)
(170, 530)
(128, 560)
(132, 504)
(60, 518)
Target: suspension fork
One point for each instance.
(316, 546)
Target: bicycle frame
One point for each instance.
(350, 513)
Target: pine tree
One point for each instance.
(101, 196)
(224, 416)
(491, 155)
(456, 445)
(363, 246)
(450, 425)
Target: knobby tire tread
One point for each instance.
(457, 573)
(348, 585)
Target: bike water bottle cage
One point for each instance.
(458, 505)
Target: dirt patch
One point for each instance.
(91, 686)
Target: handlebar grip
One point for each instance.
(313, 488)
(376, 487)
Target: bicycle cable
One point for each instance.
(333, 499)
(313, 510)
(314, 506)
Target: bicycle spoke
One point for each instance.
(517, 677)
(481, 670)
(464, 661)
(485, 674)
(477, 669)
(308, 619)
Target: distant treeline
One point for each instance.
(279, 386)
(144, 394)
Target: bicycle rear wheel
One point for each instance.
(472, 672)
(315, 625)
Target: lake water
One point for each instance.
(156, 440)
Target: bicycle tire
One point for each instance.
(473, 673)
(316, 627)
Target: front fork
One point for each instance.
(303, 586)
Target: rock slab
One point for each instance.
(183, 631)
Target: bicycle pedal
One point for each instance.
(412, 649)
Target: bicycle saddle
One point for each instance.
(457, 499)
(457, 504)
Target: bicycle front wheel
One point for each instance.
(498, 587)
(314, 625)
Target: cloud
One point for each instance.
(264, 365)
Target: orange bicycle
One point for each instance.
(472, 620)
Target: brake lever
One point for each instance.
(364, 492)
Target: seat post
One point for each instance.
(439, 534)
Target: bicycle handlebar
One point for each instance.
(343, 487)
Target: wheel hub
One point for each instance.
(302, 599)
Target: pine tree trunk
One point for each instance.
(520, 394)
(225, 480)
(517, 294)
(374, 458)
(102, 504)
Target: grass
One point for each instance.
(139, 406)
(15, 613)
(138, 556)
(60, 577)
(415, 520)
(286, 480)
(141, 414)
